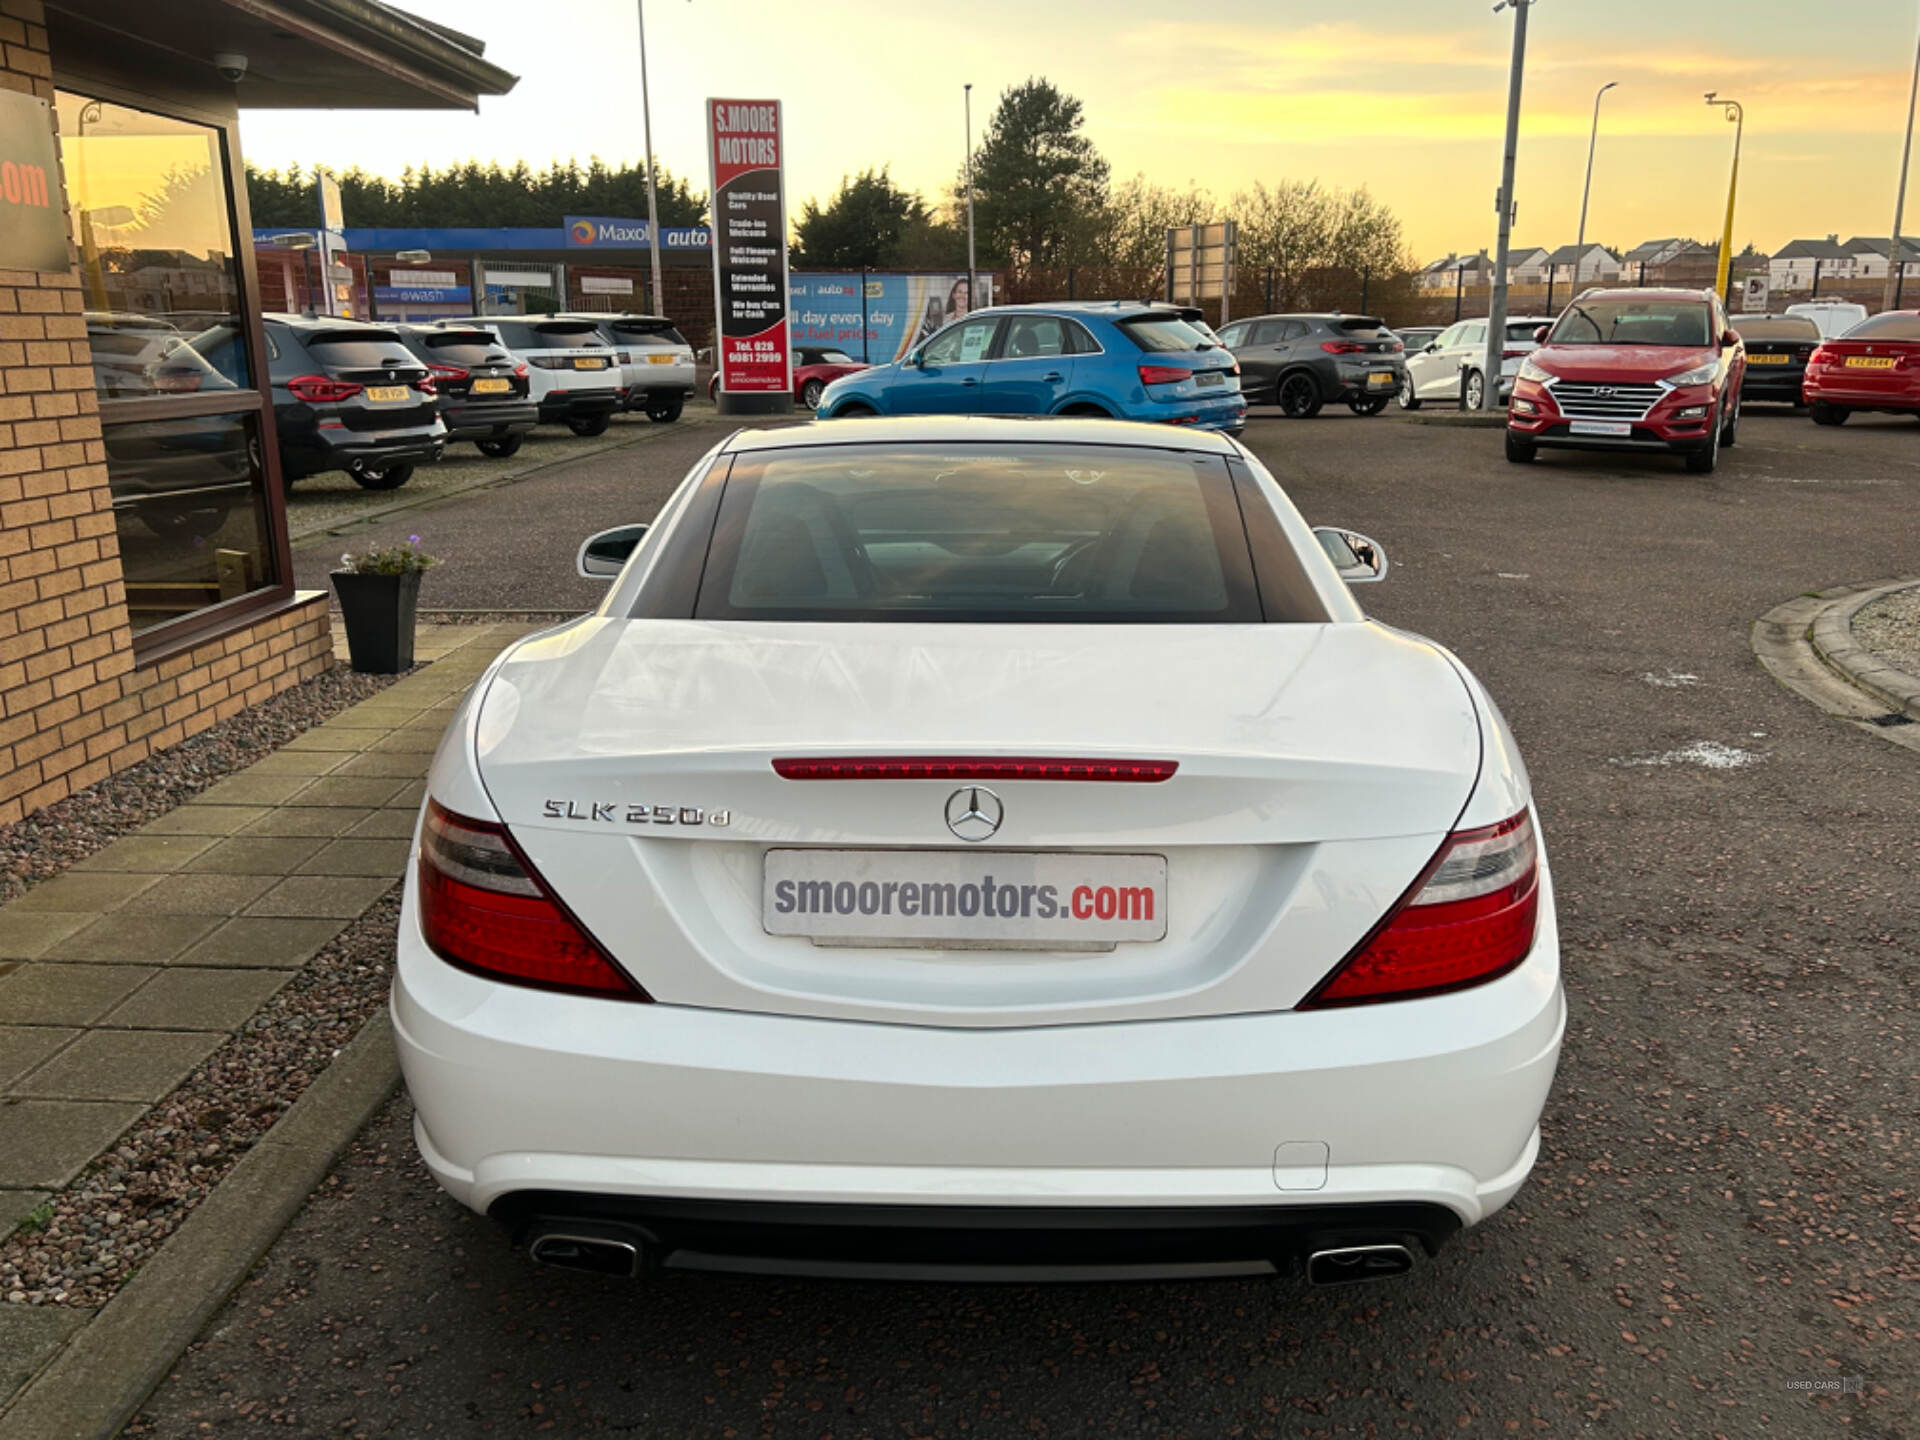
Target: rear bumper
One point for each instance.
(1349, 381)
(479, 422)
(1432, 1102)
(1772, 386)
(561, 405)
(1855, 397)
(328, 449)
(649, 386)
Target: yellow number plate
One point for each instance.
(659, 359)
(589, 362)
(1380, 377)
(490, 387)
(386, 394)
(1869, 362)
(1766, 359)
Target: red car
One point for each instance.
(1874, 366)
(1651, 370)
(813, 368)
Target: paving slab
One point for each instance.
(387, 825)
(341, 897)
(260, 942)
(339, 742)
(197, 819)
(22, 1047)
(403, 765)
(258, 855)
(362, 791)
(45, 1143)
(77, 892)
(15, 1206)
(409, 742)
(295, 762)
(192, 998)
(121, 1065)
(246, 788)
(27, 935)
(198, 894)
(408, 797)
(123, 938)
(31, 1335)
(67, 994)
(359, 857)
(323, 821)
(146, 854)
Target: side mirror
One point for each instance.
(912, 362)
(1433, 347)
(1540, 334)
(1359, 560)
(1729, 340)
(605, 555)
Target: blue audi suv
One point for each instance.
(1123, 359)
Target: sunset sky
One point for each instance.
(1407, 100)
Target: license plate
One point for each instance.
(1380, 377)
(1869, 362)
(589, 362)
(1210, 377)
(490, 387)
(660, 359)
(1766, 359)
(386, 394)
(1600, 427)
(957, 900)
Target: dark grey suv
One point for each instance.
(350, 396)
(1300, 362)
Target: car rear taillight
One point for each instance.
(1513, 354)
(623, 357)
(1236, 368)
(972, 767)
(425, 384)
(447, 372)
(1468, 919)
(320, 390)
(1398, 346)
(1343, 347)
(1805, 352)
(1821, 356)
(520, 371)
(1164, 374)
(483, 908)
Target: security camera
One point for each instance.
(231, 66)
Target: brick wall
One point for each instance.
(73, 707)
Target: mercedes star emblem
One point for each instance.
(974, 814)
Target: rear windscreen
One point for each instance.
(1037, 533)
(1894, 325)
(1160, 333)
(1363, 325)
(647, 334)
(1786, 327)
(462, 347)
(355, 349)
(1523, 329)
(566, 335)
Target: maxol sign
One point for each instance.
(610, 232)
(33, 223)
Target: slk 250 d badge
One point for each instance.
(615, 813)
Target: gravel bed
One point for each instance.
(1890, 627)
(39, 846)
(124, 1206)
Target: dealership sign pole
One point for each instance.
(749, 257)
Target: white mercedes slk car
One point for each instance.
(979, 847)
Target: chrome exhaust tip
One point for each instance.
(594, 1254)
(1353, 1264)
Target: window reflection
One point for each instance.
(191, 512)
(157, 267)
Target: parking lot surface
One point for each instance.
(1719, 1239)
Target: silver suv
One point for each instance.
(656, 363)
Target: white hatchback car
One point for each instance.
(959, 846)
(576, 375)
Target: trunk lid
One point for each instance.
(1319, 769)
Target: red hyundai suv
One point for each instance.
(1653, 370)
(1874, 366)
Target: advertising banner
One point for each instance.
(749, 211)
(422, 295)
(33, 221)
(886, 321)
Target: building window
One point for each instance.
(175, 364)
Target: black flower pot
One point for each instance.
(378, 611)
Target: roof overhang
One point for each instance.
(301, 54)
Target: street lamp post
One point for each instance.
(1497, 305)
(1896, 258)
(646, 133)
(1580, 243)
(1738, 118)
(968, 90)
